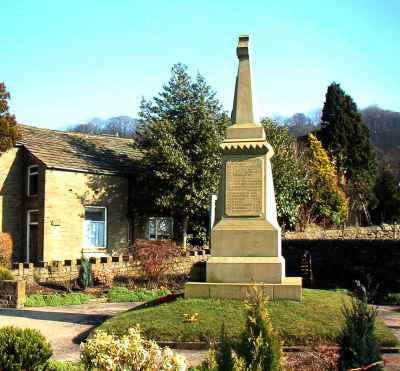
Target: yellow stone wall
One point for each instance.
(66, 195)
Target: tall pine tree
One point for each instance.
(8, 123)
(348, 142)
(180, 132)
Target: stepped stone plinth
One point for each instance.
(246, 237)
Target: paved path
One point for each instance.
(66, 327)
(391, 316)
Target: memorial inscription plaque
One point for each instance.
(244, 187)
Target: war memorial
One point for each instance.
(246, 237)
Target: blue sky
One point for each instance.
(68, 61)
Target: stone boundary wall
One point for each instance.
(376, 232)
(122, 266)
(12, 294)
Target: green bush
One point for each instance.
(392, 299)
(5, 274)
(54, 365)
(55, 300)
(85, 278)
(23, 349)
(359, 346)
(122, 294)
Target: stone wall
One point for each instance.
(123, 266)
(381, 232)
(11, 190)
(12, 294)
(66, 195)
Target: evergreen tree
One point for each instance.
(8, 123)
(180, 132)
(387, 191)
(328, 201)
(347, 140)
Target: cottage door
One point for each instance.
(32, 236)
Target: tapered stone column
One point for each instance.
(246, 237)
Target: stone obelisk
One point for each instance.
(246, 237)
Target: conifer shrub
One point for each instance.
(23, 349)
(328, 200)
(359, 346)
(85, 278)
(259, 347)
(5, 274)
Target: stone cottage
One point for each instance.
(63, 194)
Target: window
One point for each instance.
(33, 180)
(95, 226)
(160, 228)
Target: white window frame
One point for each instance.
(28, 193)
(28, 224)
(105, 228)
(157, 218)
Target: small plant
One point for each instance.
(54, 300)
(155, 257)
(359, 347)
(259, 348)
(5, 274)
(85, 278)
(23, 349)
(105, 352)
(122, 294)
(103, 276)
(6, 249)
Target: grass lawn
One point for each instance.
(317, 319)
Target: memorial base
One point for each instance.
(289, 289)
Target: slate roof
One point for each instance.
(80, 152)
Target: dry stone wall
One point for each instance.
(12, 294)
(376, 232)
(122, 266)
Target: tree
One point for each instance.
(328, 201)
(292, 186)
(8, 123)
(348, 142)
(180, 132)
(387, 191)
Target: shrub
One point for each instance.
(122, 294)
(155, 257)
(359, 347)
(259, 348)
(85, 278)
(6, 249)
(103, 276)
(54, 365)
(130, 352)
(53, 300)
(5, 274)
(23, 349)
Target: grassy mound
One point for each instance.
(317, 319)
